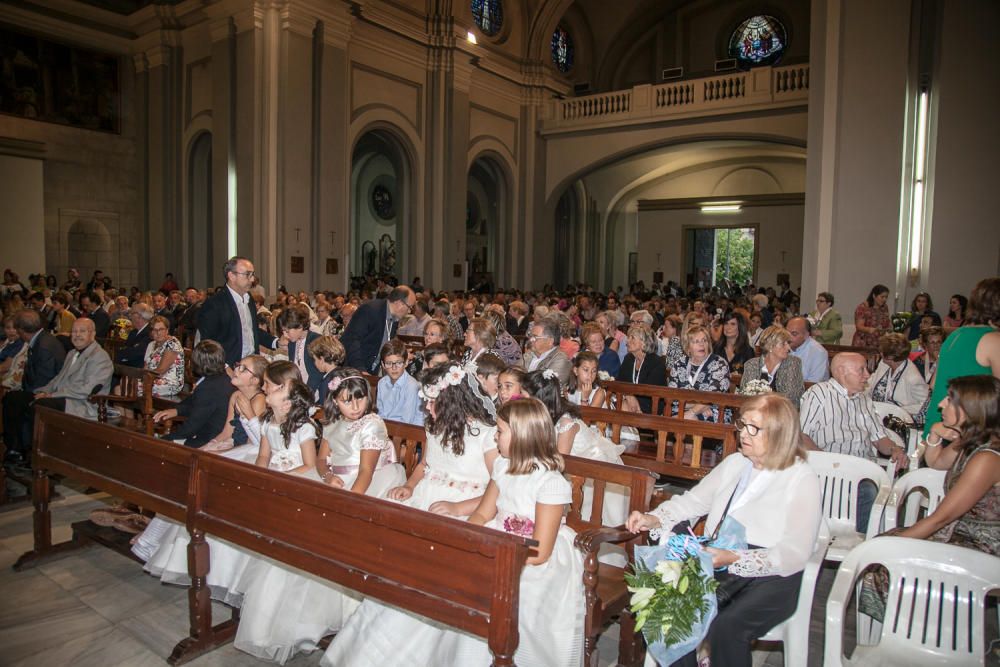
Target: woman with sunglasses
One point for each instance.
(768, 488)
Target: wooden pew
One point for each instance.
(604, 585)
(468, 576)
(665, 455)
(663, 397)
(871, 354)
(409, 441)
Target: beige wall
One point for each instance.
(965, 226)
(660, 240)
(23, 247)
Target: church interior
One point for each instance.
(512, 143)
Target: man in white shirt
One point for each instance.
(837, 416)
(813, 355)
(229, 317)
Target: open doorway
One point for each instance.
(721, 255)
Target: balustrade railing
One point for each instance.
(758, 87)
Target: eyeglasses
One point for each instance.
(532, 336)
(393, 364)
(240, 368)
(248, 274)
(751, 429)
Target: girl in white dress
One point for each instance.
(356, 452)
(163, 545)
(460, 448)
(284, 609)
(584, 388)
(527, 496)
(578, 439)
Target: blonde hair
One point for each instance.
(532, 436)
(693, 331)
(773, 336)
(780, 428)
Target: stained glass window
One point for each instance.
(562, 49)
(488, 15)
(760, 40)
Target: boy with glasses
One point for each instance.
(398, 391)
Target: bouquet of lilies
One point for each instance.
(673, 596)
(754, 388)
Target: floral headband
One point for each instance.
(335, 383)
(452, 378)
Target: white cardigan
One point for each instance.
(780, 509)
(910, 392)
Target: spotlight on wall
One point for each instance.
(721, 208)
(471, 36)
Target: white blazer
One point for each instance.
(910, 391)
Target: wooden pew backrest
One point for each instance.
(665, 455)
(444, 569)
(663, 397)
(409, 441)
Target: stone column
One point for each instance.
(446, 174)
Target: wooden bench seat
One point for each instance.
(663, 398)
(469, 575)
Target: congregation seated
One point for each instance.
(769, 489)
(44, 357)
(966, 443)
(10, 347)
(814, 357)
(925, 359)
(543, 339)
(776, 366)
(897, 380)
(479, 339)
(87, 370)
(642, 365)
(593, 341)
(164, 356)
(133, 352)
(699, 369)
(838, 416)
(734, 344)
(670, 346)
(504, 346)
(204, 410)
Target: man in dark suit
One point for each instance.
(161, 307)
(93, 308)
(230, 316)
(205, 410)
(187, 323)
(45, 359)
(133, 352)
(469, 314)
(375, 323)
(517, 319)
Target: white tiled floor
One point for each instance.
(95, 607)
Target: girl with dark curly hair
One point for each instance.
(460, 449)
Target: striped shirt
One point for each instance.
(839, 423)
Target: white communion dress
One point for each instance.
(551, 604)
(452, 477)
(286, 610)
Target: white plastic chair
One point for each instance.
(882, 409)
(935, 608)
(794, 632)
(840, 476)
(916, 489)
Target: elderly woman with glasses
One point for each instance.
(699, 369)
(768, 488)
(165, 357)
(776, 366)
(642, 365)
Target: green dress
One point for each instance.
(958, 358)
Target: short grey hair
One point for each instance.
(143, 310)
(644, 333)
(550, 328)
(647, 319)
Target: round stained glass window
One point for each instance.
(488, 15)
(562, 49)
(760, 40)
(382, 202)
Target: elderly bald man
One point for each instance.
(838, 416)
(87, 370)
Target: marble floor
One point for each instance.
(96, 608)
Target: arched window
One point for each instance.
(488, 15)
(760, 40)
(562, 49)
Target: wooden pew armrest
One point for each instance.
(590, 541)
(112, 398)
